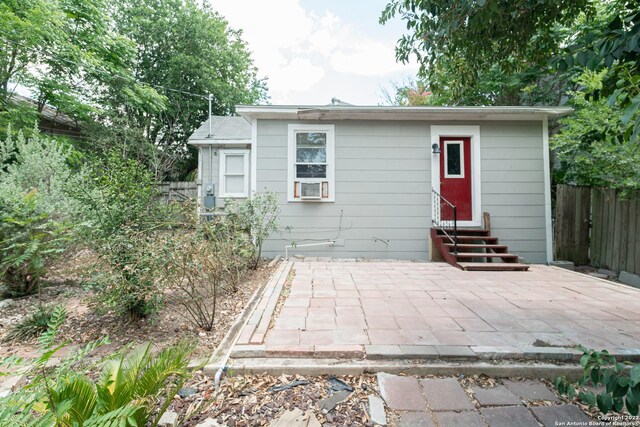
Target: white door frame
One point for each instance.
(473, 132)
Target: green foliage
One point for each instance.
(621, 385)
(123, 215)
(28, 238)
(258, 216)
(612, 44)
(35, 210)
(185, 46)
(31, 326)
(126, 392)
(134, 75)
(594, 146)
(474, 45)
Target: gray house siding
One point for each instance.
(209, 167)
(513, 186)
(382, 176)
(382, 205)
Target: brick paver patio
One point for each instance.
(432, 310)
(445, 402)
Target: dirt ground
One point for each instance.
(67, 284)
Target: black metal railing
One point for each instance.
(445, 218)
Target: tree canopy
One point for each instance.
(530, 52)
(134, 75)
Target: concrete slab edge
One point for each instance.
(274, 366)
(236, 328)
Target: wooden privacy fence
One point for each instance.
(598, 226)
(178, 191)
(573, 215)
(615, 243)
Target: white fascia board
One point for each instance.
(401, 113)
(217, 142)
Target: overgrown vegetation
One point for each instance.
(617, 383)
(123, 217)
(36, 214)
(134, 388)
(258, 216)
(134, 76)
(30, 326)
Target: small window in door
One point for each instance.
(454, 159)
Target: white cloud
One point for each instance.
(297, 50)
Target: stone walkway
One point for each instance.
(444, 402)
(391, 310)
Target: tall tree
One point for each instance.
(482, 51)
(187, 51)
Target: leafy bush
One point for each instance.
(128, 389)
(258, 216)
(124, 216)
(28, 238)
(31, 326)
(621, 385)
(36, 211)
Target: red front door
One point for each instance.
(455, 175)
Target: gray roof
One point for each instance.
(223, 127)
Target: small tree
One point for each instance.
(258, 216)
(123, 216)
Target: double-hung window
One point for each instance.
(311, 163)
(234, 173)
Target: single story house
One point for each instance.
(380, 182)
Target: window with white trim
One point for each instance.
(311, 163)
(234, 173)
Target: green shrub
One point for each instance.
(257, 216)
(126, 392)
(28, 238)
(621, 385)
(124, 217)
(36, 212)
(31, 326)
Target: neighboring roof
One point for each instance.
(223, 128)
(48, 112)
(349, 112)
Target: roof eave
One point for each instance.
(402, 113)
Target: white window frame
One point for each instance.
(446, 158)
(222, 182)
(460, 131)
(329, 130)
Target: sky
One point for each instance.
(313, 50)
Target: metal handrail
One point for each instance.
(446, 226)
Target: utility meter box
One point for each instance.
(210, 197)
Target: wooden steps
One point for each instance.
(465, 246)
(477, 250)
(489, 266)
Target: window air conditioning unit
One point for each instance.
(310, 190)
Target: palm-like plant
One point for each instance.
(125, 394)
